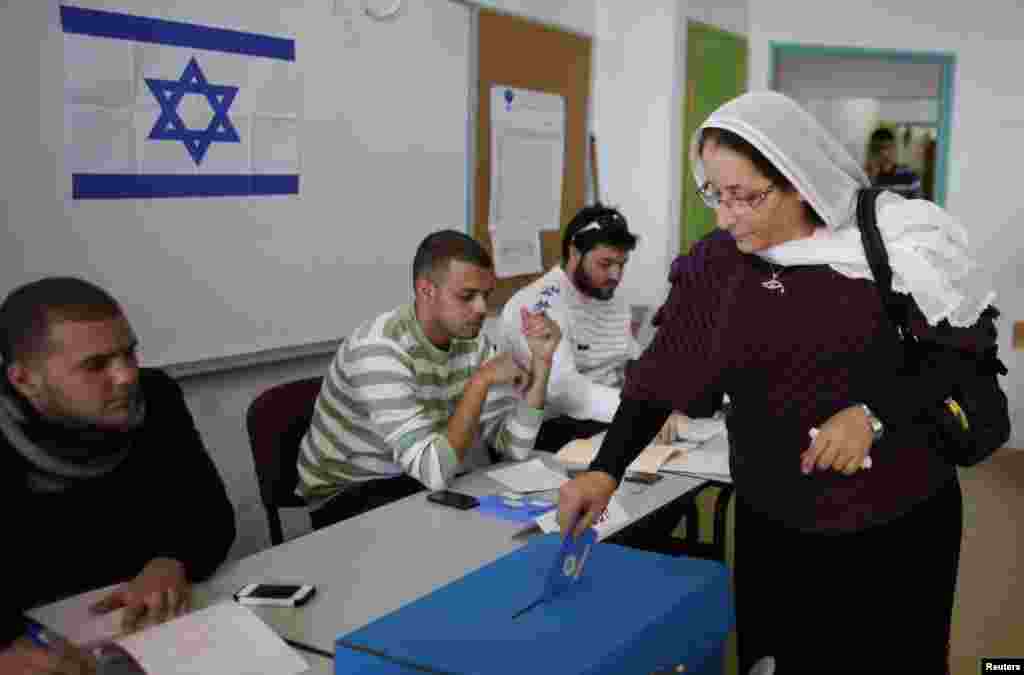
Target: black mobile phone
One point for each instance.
(643, 477)
(455, 499)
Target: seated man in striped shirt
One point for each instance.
(419, 393)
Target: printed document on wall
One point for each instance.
(162, 109)
(515, 253)
(527, 159)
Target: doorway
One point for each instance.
(854, 92)
(716, 71)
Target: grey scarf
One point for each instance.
(61, 456)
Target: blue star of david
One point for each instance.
(170, 127)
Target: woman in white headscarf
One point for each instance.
(778, 309)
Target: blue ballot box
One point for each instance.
(630, 612)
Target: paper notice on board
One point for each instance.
(516, 252)
(527, 157)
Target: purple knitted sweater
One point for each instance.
(788, 361)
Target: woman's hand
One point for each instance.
(582, 500)
(841, 444)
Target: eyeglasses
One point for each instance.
(714, 199)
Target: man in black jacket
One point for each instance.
(102, 472)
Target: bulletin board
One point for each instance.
(519, 53)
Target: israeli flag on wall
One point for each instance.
(157, 108)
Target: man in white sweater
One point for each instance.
(597, 338)
(597, 342)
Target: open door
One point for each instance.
(716, 71)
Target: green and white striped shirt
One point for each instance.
(384, 407)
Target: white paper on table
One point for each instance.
(72, 618)
(530, 476)
(226, 638)
(527, 157)
(515, 252)
(615, 516)
(701, 429)
(710, 460)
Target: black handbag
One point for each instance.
(958, 366)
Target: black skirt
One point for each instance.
(875, 601)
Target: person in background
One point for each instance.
(103, 474)
(778, 309)
(884, 170)
(420, 394)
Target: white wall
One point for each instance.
(572, 15)
(988, 119)
(730, 15)
(804, 77)
(219, 400)
(640, 66)
(920, 111)
(851, 120)
(635, 118)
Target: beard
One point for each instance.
(59, 409)
(586, 285)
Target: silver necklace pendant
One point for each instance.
(774, 284)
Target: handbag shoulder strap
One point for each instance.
(878, 257)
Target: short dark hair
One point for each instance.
(611, 230)
(28, 311)
(738, 144)
(440, 248)
(882, 135)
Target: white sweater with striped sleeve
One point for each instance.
(590, 362)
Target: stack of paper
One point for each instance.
(702, 451)
(583, 450)
(701, 429)
(708, 460)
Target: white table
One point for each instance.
(370, 565)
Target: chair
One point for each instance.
(716, 548)
(277, 420)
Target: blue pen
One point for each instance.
(111, 659)
(38, 633)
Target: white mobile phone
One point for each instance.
(279, 595)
